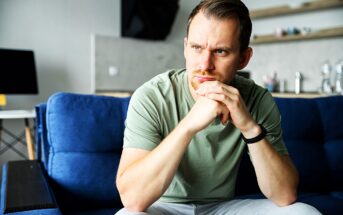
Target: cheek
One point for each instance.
(193, 81)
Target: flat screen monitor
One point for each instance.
(17, 72)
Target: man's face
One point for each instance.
(212, 50)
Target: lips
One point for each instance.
(199, 77)
(202, 79)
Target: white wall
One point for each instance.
(59, 33)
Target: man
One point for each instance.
(186, 129)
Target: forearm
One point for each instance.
(276, 175)
(145, 180)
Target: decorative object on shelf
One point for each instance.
(299, 8)
(305, 30)
(271, 82)
(311, 34)
(290, 31)
(280, 32)
(306, 33)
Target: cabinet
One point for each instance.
(287, 10)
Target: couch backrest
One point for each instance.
(313, 134)
(84, 134)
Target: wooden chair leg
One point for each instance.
(29, 142)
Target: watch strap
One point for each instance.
(259, 137)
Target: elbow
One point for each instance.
(286, 199)
(131, 201)
(133, 205)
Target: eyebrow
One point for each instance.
(225, 48)
(194, 44)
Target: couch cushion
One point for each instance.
(85, 134)
(304, 137)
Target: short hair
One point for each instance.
(222, 9)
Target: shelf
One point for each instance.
(325, 33)
(286, 9)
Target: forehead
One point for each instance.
(211, 29)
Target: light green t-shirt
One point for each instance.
(210, 165)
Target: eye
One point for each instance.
(221, 52)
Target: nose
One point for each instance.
(206, 61)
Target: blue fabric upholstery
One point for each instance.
(37, 212)
(313, 134)
(85, 134)
(79, 141)
(42, 146)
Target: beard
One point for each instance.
(195, 82)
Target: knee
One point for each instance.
(300, 208)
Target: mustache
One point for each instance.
(202, 72)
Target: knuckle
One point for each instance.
(236, 92)
(222, 97)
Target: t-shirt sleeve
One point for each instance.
(267, 114)
(142, 123)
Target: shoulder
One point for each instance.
(160, 83)
(159, 88)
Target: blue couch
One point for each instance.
(79, 142)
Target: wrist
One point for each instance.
(258, 137)
(251, 130)
(187, 127)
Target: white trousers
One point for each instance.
(237, 206)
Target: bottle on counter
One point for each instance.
(339, 78)
(298, 82)
(326, 83)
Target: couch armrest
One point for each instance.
(25, 187)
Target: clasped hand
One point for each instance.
(218, 99)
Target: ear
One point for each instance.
(245, 58)
(184, 46)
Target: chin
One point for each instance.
(195, 85)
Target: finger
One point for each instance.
(222, 98)
(222, 112)
(231, 90)
(224, 117)
(211, 87)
